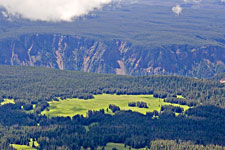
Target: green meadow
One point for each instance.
(180, 96)
(25, 147)
(22, 147)
(71, 107)
(7, 101)
(119, 146)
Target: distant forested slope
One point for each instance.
(34, 85)
(200, 125)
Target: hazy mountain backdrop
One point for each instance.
(141, 37)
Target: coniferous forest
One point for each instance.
(202, 124)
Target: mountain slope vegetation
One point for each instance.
(32, 88)
(34, 85)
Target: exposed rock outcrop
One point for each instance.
(115, 56)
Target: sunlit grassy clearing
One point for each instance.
(180, 96)
(22, 147)
(25, 147)
(8, 101)
(71, 107)
(119, 146)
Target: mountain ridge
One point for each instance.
(111, 56)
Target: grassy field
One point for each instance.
(22, 147)
(7, 101)
(119, 146)
(25, 147)
(180, 96)
(71, 107)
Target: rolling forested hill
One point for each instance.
(26, 91)
(33, 85)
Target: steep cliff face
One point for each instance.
(116, 56)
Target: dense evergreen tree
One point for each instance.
(114, 108)
(138, 104)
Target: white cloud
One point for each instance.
(177, 9)
(51, 10)
(223, 1)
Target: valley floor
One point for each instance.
(71, 107)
